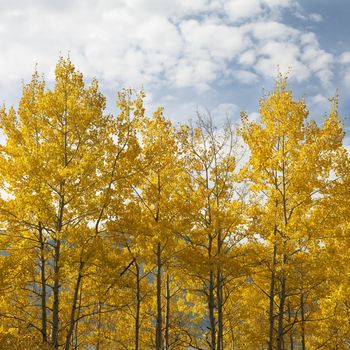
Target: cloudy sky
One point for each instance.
(188, 54)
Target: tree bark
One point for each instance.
(219, 297)
(211, 306)
(272, 297)
(56, 286)
(74, 306)
(302, 321)
(159, 319)
(167, 314)
(76, 330)
(43, 285)
(138, 306)
(280, 341)
(99, 323)
(56, 291)
(291, 340)
(281, 307)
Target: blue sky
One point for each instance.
(188, 54)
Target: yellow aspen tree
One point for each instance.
(215, 215)
(51, 160)
(124, 282)
(156, 195)
(333, 326)
(290, 166)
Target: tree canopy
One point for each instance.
(128, 231)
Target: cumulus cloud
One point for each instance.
(346, 77)
(254, 116)
(344, 60)
(225, 111)
(318, 99)
(316, 17)
(346, 143)
(245, 76)
(276, 44)
(238, 10)
(179, 44)
(345, 57)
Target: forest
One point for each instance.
(130, 231)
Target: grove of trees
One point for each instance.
(128, 231)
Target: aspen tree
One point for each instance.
(215, 216)
(52, 153)
(290, 163)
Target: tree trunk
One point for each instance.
(43, 285)
(232, 338)
(167, 314)
(74, 306)
(56, 291)
(56, 286)
(219, 296)
(76, 331)
(281, 307)
(211, 305)
(159, 299)
(99, 322)
(138, 305)
(280, 341)
(302, 321)
(291, 340)
(272, 297)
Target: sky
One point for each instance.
(217, 55)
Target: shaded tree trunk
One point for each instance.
(99, 323)
(272, 295)
(291, 340)
(138, 306)
(167, 314)
(57, 240)
(211, 306)
(56, 291)
(302, 306)
(159, 320)
(74, 306)
(281, 307)
(43, 284)
(219, 296)
(76, 331)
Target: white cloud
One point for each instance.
(316, 17)
(307, 38)
(247, 58)
(278, 45)
(239, 9)
(183, 112)
(187, 73)
(218, 41)
(346, 143)
(346, 78)
(162, 44)
(345, 57)
(278, 3)
(245, 76)
(254, 116)
(312, 17)
(319, 62)
(318, 100)
(225, 111)
(246, 9)
(271, 30)
(283, 55)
